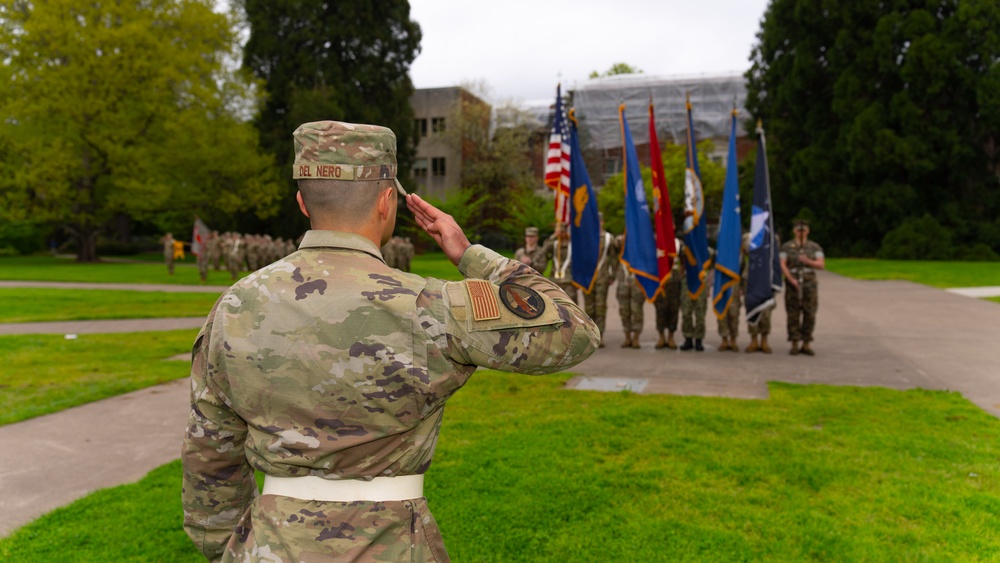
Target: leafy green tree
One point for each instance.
(615, 70)
(879, 113)
(346, 61)
(611, 198)
(123, 108)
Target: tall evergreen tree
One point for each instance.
(346, 61)
(879, 113)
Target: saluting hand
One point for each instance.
(440, 226)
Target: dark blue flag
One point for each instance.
(585, 224)
(639, 254)
(727, 257)
(695, 236)
(764, 267)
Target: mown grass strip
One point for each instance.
(527, 471)
(47, 373)
(933, 273)
(18, 305)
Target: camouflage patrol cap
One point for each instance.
(531, 232)
(334, 150)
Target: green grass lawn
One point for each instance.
(19, 305)
(45, 373)
(934, 273)
(528, 471)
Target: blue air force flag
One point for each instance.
(639, 254)
(695, 257)
(727, 258)
(585, 228)
(764, 267)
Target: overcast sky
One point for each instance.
(521, 49)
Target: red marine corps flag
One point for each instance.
(557, 162)
(663, 217)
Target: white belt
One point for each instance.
(310, 487)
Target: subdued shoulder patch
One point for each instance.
(482, 300)
(522, 301)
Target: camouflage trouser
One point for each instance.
(169, 258)
(570, 290)
(763, 326)
(729, 325)
(693, 313)
(215, 259)
(668, 305)
(630, 302)
(802, 312)
(203, 266)
(596, 303)
(233, 264)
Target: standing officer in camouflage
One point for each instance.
(630, 299)
(532, 254)
(668, 303)
(800, 258)
(693, 313)
(595, 303)
(328, 371)
(560, 252)
(168, 251)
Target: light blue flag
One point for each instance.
(584, 221)
(639, 254)
(695, 236)
(727, 258)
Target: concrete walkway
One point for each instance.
(977, 292)
(893, 334)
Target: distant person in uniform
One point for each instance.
(559, 251)
(168, 251)
(631, 299)
(531, 253)
(596, 302)
(693, 311)
(329, 371)
(668, 303)
(800, 258)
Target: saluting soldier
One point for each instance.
(329, 371)
(531, 253)
(800, 258)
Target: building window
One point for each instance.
(437, 166)
(437, 125)
(420, 127)
(420, 168)
(612, 166)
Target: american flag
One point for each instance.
(557, 163)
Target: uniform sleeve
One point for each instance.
(506, 316)
(218, 483)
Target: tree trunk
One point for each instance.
(86, 244)
(123, 228)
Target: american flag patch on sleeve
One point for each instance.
(482, 300)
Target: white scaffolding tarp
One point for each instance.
(712, 100)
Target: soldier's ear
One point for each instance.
(302, 204)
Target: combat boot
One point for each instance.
(807, 350)
(635, 340)
(725, 345)
(732, 346)
(795, 348)
(752, 347)
(697, 345)
(628, 340)
(670, 342)
(763, 344)
(662, 342)
(687, 345)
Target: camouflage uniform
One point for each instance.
(801, 310)
(201, 259)
(388, 251)
(596, 302)
(168, 252)
(559, 252)
(330, 364)
(630, 299)
(693, 311)
(407, 253)
(668, 302)
(235, 250)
